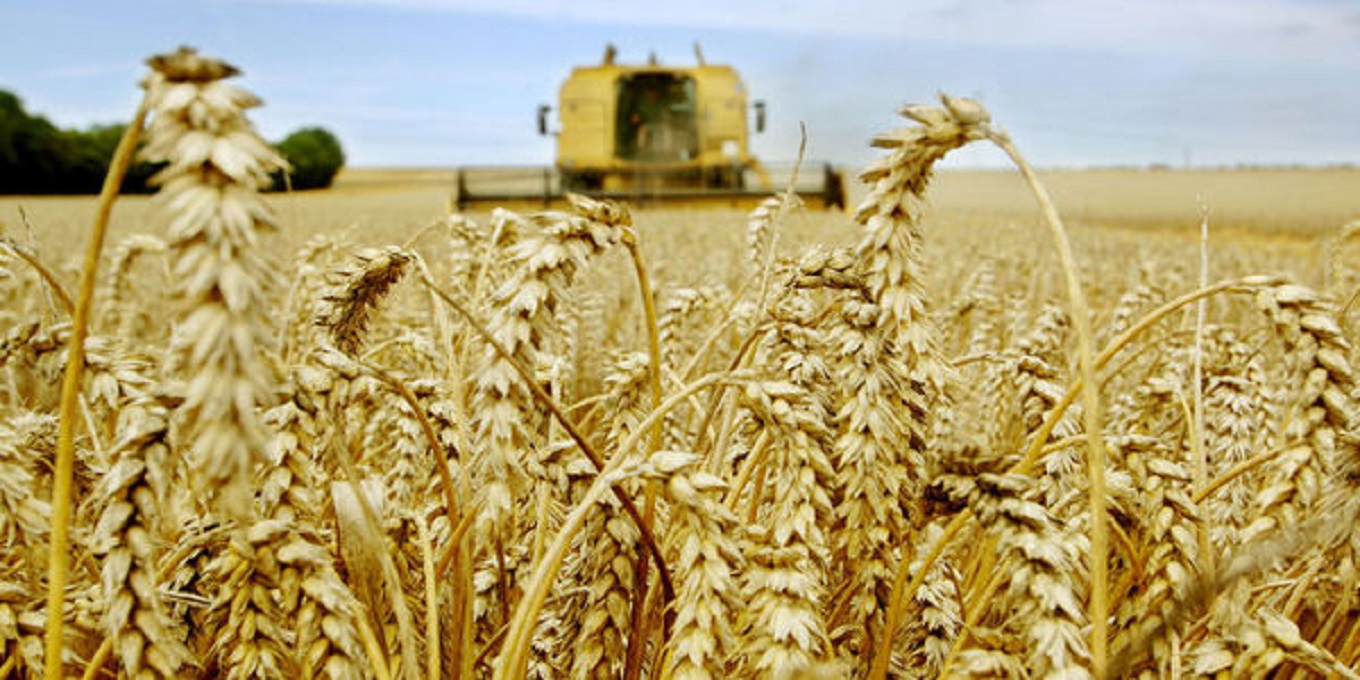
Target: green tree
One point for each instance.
(316, 156)
(37, 157)
(34, 154)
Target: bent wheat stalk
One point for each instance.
(638, 635)
(1095, 448)
(46, 274)
(59, 553)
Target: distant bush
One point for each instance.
(37, 157)
(316, 157)
(92, 151)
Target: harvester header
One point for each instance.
(652, 134)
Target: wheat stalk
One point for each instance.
(1096, 464)
(70, 387)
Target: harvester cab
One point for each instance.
(652, 134)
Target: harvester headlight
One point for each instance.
(730, 149)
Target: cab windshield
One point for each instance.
(656, 118)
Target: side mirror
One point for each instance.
(543, 110)
(760, 115)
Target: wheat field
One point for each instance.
(351, 434)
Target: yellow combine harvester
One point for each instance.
(651, 134)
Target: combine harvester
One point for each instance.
(651, 135)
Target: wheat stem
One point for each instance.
(1238, 470)
(432, 657)
(376, 659)
(46, 274)
(755, 458)
(1095, 444)
(59, 553)
(971, 615)
(1350, 652)
(638, 635)
(455, 539)
(1201, 460)
(92, 669)
(630, 241)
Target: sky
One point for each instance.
(443, 83)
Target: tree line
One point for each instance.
(37, 157)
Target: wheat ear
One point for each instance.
(355, 291)
(217, 165)
(784, 630)
(890, 252)
(523, 309)
(707, 561)
(126, 541)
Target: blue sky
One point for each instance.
(450, 82)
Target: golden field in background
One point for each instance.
(1130, 228)
(1281, 220)
(1288, 204)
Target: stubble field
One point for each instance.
(388, 441)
